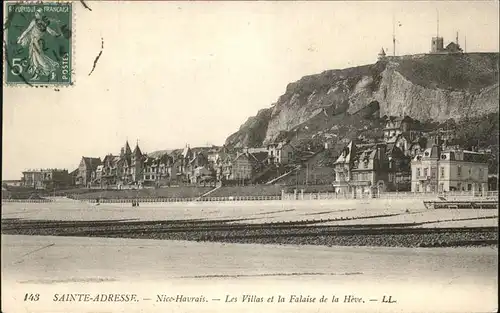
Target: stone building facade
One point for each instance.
(441, 170)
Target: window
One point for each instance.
(426, 172)
(480, 174)
(459, 171)
(418, 172)
(290, 155)
(417, 187)
(441, 172)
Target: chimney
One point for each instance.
(381, 152)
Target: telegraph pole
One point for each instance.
(437, 31)
(393, 35)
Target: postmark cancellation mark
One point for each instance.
(38, 43)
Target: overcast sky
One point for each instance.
(173, 73)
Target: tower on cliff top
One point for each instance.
(437, 42)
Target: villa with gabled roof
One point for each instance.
(87, 166)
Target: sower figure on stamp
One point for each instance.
(40, 63)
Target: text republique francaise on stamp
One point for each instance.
(38, 43)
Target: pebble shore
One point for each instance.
(298, 233)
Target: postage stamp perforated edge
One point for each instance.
(5, 64)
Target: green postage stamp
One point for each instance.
(38, 43)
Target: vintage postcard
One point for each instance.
(250, 156)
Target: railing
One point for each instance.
(28, 200)
(324, 196)
(424, 177)
(284, 196)
(389, 195)
(205, 199)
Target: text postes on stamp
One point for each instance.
(38, 43)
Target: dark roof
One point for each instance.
(127, 148)
(259, 156)
(108, 158)
(196, 156)
(137, 150)
(435, 151)
(255, 159)
(91, 163)
(176, 154)
(470, 156)
(452, 46)
(364, 155)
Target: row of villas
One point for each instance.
(135, 168)
(186, 166)
(365, 168)
(407, 159)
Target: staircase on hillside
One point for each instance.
(283, 176)
(303, 157)
(208, 192)
(269, 173)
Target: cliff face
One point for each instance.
(425, 87)
(253, 132)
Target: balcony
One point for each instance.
(424, 177)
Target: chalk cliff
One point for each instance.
(425, 87)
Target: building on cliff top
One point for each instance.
(381, 55)
(437, 44)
